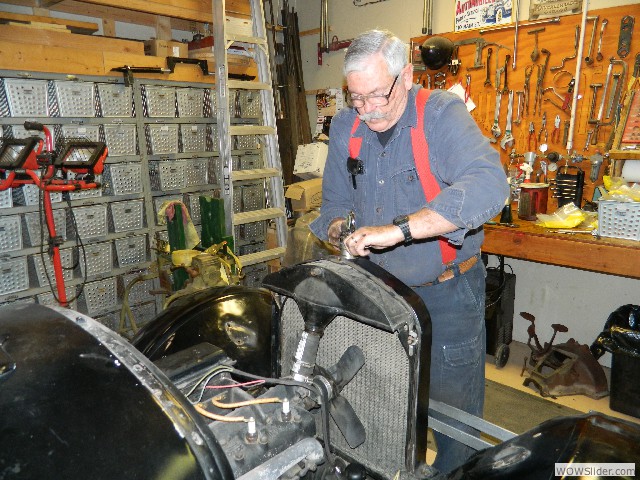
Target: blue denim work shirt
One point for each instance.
(472, 181)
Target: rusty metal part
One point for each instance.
(565, 369)
(574, 371)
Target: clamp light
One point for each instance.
(20, 153)
(82, 156)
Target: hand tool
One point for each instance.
(596, 163)
(589, 59)
(555, 104)
(528, 70)
(502, 224)
(499, 71)
(505, 88)
(575, 53)
(599, 123)
(588, 142)
(568, 231)
(495, 129)
(602, 27)
(592, 109)
(532, 137)
(624, 41)
(555, 135)
(574, 100)
(440, 83)
(538, 99)
(508, 140)
(518, 119)
(543, 129)
(567, 99)
(487, 80)
(614, 93)
(480, 43)
(535, 53)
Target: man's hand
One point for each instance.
(360, 242)
(335, 231)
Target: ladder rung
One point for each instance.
(257, 215)
(243, 84)
(251, 130)
(236, 37)
(260, 257)
(237, 175)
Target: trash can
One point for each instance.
(500, 295)
(621, 337)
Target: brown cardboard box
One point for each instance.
(166, 48)
(305, 195)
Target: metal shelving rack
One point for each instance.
(141, 155)
(235, 183)
(242, 155)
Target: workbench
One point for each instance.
(581, 250)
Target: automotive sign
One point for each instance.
(472, 14)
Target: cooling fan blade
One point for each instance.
(340, 409)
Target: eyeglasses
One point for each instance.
(377, 100)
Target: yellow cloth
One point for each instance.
(167, 210)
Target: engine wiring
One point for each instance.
(205, 378)
(232, 385)
(322, 393)
(221, 418)
(246, 403)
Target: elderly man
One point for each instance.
(421, 180)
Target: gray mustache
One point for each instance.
(365, 117)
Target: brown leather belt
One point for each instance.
(449, 273)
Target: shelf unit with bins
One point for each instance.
(154, 155)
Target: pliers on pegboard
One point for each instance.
(543, 129)
(555, 134)
(532, 137)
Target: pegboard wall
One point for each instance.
(556, 47)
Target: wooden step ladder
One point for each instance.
(273, 211)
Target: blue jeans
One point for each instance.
(458, 347)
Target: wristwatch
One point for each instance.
(402, 221)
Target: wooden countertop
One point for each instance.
(581, 250)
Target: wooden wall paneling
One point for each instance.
(71, 25)
(45, 37)
(559, 40)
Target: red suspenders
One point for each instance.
(421, 157)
